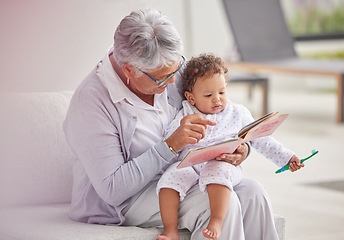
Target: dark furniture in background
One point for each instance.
(265, 45)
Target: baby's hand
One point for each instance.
(295, 164)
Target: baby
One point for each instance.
(206, 94)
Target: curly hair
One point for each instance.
(204, 65)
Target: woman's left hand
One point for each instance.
(237, 157)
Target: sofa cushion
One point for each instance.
(51, 222)
(35, 160)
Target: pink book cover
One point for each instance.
(200, 155)
(204, 154)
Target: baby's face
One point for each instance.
(209, 94)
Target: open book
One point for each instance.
(262, 127)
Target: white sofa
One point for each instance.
(36, 175)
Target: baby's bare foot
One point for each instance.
(170, 235)
(213, 230)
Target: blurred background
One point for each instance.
(52, 45)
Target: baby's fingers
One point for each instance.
(295, 166)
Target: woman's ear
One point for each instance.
(128, 70)
(189, 97)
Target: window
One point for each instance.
(315, 19)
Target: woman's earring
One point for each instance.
(127, 81)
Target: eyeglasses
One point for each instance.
(161, 82)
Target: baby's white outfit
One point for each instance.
(229, 122)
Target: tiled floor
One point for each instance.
(312, 200)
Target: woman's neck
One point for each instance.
(117, 69)
(149, 99)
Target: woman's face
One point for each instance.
(142, 83)
(209, 94)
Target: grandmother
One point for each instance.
(115, 124)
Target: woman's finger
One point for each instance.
(241, 148)
(198, 119)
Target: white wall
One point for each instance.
(51, 45)
(210, 29)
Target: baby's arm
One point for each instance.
(273, 150)
(277, 153)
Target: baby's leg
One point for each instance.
(219, 196)
(172, 188)
(218, 178)
(169, 203)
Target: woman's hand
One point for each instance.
(237, 157)
(295, 164)
(191, 130)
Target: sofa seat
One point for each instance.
(43, 222)
(50, 222)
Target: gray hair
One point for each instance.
(147, 39)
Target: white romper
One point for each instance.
(229, 122)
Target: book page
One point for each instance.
(242, 133)
(266, 128)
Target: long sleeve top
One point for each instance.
(100, 133)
